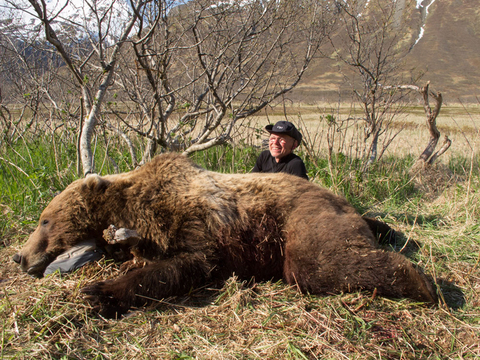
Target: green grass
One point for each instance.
(228, 159)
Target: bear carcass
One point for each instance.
(197, 226)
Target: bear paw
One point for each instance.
(104, 300)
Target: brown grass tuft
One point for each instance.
(433, 180)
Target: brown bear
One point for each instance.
(197, 226)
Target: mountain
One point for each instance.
(445, 35)
(447, 49)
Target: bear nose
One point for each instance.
(17, 258)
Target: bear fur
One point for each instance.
(197, 226)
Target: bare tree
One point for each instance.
(32, 94)
(372, 44)
(188, 76)
(89, 46)
(201, 69)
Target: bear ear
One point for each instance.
(95, 183)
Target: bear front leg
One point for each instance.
(156, 281)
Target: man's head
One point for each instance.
(284, 138)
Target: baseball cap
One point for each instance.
(285, 127)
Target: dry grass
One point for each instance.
(460, 123)
(48, 318)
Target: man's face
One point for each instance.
(281, 145)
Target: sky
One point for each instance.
(79, 13)
(73, 12)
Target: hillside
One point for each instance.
(447, 52)
(450, 47)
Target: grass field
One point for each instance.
(435, 213)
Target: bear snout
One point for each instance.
(21, 260)
(17, 258)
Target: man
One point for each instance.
(284, 138)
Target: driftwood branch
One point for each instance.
(446, 144)
(427, 156)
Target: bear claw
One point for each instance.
(103, 301)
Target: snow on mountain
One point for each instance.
(424, 10)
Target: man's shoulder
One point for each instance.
(293, 158)
(263, 163)
(296, 166)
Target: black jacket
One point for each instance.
(290, 164)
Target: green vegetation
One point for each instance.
(228, 159)
(436, 214)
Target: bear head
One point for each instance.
(68, 220)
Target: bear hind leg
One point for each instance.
(391, 274)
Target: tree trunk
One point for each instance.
(89, 125)
(149, 152)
